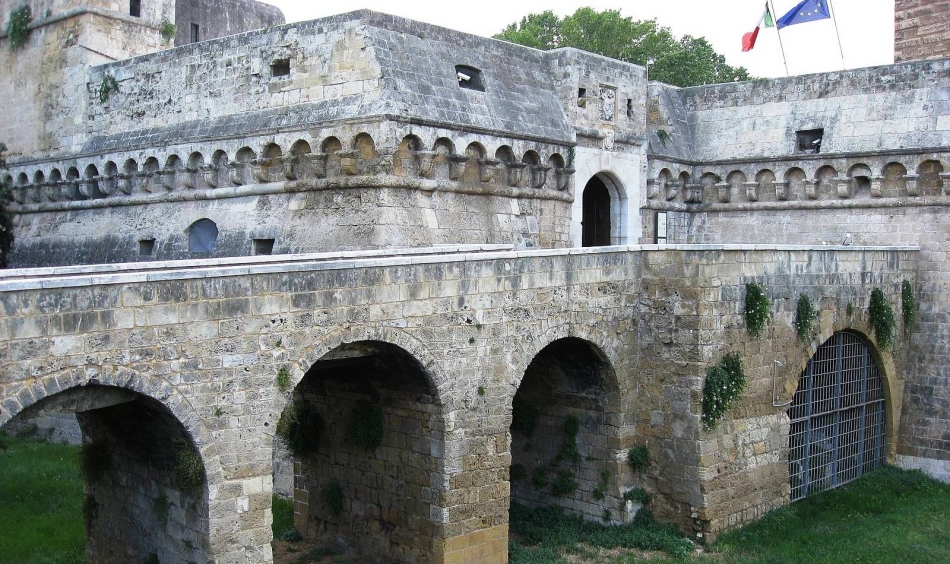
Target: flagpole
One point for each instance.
(782, 47)
(840, 48)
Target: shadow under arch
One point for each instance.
(843, 422)
(603, 210)
(144, 448)
(365, 429)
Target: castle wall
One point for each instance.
(218, 18)
(921, 30)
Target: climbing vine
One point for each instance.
(805, 317)
(18, 26)
(757, 309)
(908, 304)
(107, 88)
(724, 384)
(882, 319)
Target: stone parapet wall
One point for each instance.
(921, 30)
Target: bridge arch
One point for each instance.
(151, 466)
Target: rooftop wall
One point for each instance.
(218, 18)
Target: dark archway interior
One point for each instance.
(364, 465)
(595, 227)
(562, 438)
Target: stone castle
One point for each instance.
(489, 254)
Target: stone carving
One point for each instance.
(608, 103)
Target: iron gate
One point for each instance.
(838, 432)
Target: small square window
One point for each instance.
(280, 67)
(146, 247)
(263, 246)
(581, 97)
(808, 141)
(469, 78)
(195, 35)
(135, 8)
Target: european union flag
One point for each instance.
(806, 11)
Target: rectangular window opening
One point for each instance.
(146, 247)
(195, 36)
(263, 246)
(469, 78)
(808, 141)
(135, 8)
(280, 67)
(629, 108)
(581, 97)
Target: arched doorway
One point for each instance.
(595, 223)
(363, 427)
(838, 429)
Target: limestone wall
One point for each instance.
(218, 18)
(921, 30)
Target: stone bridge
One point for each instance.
(393, 374)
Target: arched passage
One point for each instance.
(561, 432)
(838, 417)
(365, 430)
(596, 221)
(145, 484)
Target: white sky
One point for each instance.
(866, 26)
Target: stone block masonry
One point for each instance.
(204, 345)
(921, 30)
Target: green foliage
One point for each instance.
(41, 503)
(664, 136)
(518, 472)
(908, 304)
(218, 411)
(366, 426)
(189, 469)
(95, 459)
(540, 535)
(688, 61)
(160, 508)
(607, 516)
(332, 496)
(568, 450)
(539, 478)
(757, 309)
(564, 484)
(600, 490)
(283, 379)
(805, 317)
(282, 525)
(168, 30)
(724, 384)
(107, 87)
(850, 309)
(882, 319)
(481, 390)
(18, 26)
(6, 218)
(889, 515)
(638, 458)
(524, 418)
(300, 426)
(638, 495)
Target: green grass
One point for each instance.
(890, 515)
(283, 524)
(41, 502)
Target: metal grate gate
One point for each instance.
(838, 431)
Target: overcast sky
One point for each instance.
(866, 26)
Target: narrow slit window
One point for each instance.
(263, 246)
(629, 108)
(280, 67)
(581, 97)
(146, 247)
(808, 141)
(469, 78)
(195, 33)
(135, 8)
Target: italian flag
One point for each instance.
(748, 40)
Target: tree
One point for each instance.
(6, 219)
(689, 61)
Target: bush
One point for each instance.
(18, 26)
(724, 384)
(300, 427)
(882, 319)
(757, 309)
(189, 469)
(638, 458)
(805, 317)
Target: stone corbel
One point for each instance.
(562, 177)
(291, 166)
(811, 188)
(236, 172)
(515, 172)
(190, 180)
(210, 174)
(144, 180)
(694, 193)
(539, 175)
(844, 187)
(107, 184)
(781, 190)
(261, 169)
(166, 178)
(751, 191)
(89, 187)
(349, 162)
(19, 194)
(124, 183)
(71, 189)
(724, 192)
(913, 189)
(653, 187)
(673, 190)
(316, 164)
(877, 186)
(53, 190)
(486, 169)
(35, 192)
(426, 162)
(457, 165)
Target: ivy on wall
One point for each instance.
(805, 317)
(724, 384)
(908, 304)
(757, 309)
(882, 319)
(18, 26)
